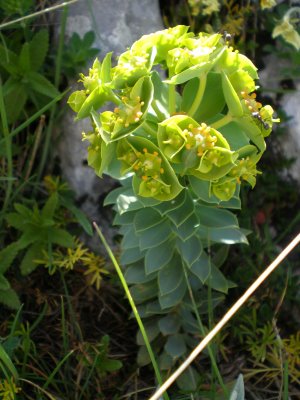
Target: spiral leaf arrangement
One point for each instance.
(181, 140)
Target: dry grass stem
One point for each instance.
(237, 305)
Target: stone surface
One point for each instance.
(291, 144)
(116, 24)
(270, 79)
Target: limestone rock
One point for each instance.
(116, 24)
(270, 78)
(291, 143)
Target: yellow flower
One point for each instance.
(267, 4)
(95, 269)
(8, 389)
(210, 6)
(286, 29)
(63, 259)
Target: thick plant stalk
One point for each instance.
(230, 313)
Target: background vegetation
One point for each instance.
(65, 327)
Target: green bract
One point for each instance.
(217, 86)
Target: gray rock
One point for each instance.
(270, 79)
(291, 143)
(117, 24)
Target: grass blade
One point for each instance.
(5, 359)
(35, 116)
(56, 369)
(37, 14)
(133, 306)
(58, 59)
(285, 395)
(8, 150)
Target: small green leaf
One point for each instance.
(60, 237)
(130, 256)
(143, 357)
(188, 380)
(48, 211)
(202, 190)
(154, 308)
(127, 203)
(188, 228)
(217, 280)
(41, 84)
(24, 58)
(165, 361)
(157, 257)
(4, 283)
(170, 324)
(144, 291)
(220, 255)
(136, 274)
(190, 250)
(145, 219)
(225, 235)
(130, 239)
(215, 217)
(155, 235)
(24, 211)
(10, 299)
(173, 298)
(152, 332)
(7, 256)
(14, 220)
(171, 276)
(124, 219)
(112, 196)
(11, 344)
(28, 264)
(189, 322)
(109, 365)
(88, 38)
(38, 49)
(167, 206)
(175, 346)
(202, 267)
(13, 108)
(182, 213)
(9, 61)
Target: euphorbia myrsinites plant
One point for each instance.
(181, 140)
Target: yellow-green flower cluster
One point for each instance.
(212, 128)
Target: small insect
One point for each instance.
(257, 115)
(227, 37)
